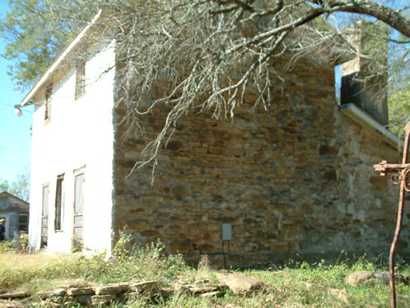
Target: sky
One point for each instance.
(15, 132)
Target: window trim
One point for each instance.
(77, 173)
(45, 214)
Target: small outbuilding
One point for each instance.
(14, 214)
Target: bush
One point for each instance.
(132, 261)
(23, 242)
(7, 246)
(128, 263)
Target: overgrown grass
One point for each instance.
(41, 271)
(301, 285)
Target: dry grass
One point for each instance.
(302, 285)
(27, 261)
(44, 271)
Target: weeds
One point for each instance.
(148, 263)
(320, 284)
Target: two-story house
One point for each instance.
(297, 178)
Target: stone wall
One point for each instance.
(294, 180)
(356, 212)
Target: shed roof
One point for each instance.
(14, 203)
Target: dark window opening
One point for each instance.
(80, 79)
(59, 204)
(23, 223)
(3, 222)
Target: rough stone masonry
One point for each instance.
(294, 180)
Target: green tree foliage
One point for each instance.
(4, 185)
(20, 187)
(36, 30)
(399, 110)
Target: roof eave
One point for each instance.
(52, 69)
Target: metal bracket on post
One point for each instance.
(400, 174)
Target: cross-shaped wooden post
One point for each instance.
(401, 172)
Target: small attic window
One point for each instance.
(49, 92)
(80, 79)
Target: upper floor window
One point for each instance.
(49, 92)
(80, 79)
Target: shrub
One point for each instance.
(7, 246)
(23, 242)
(77, 245)
(136, 263)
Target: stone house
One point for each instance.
(14, 211)
(294, 180)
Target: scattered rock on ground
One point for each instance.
(80, 291)
(211, 294)
(197, 290)
(144, 286)
(166, 292)
(101, 299)
(105, 294)
(14, 295)
(10, 304)
(239, 283)
(84, 299)
(382, 277)
(60, 292)
(357, 278)
(112, 289)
